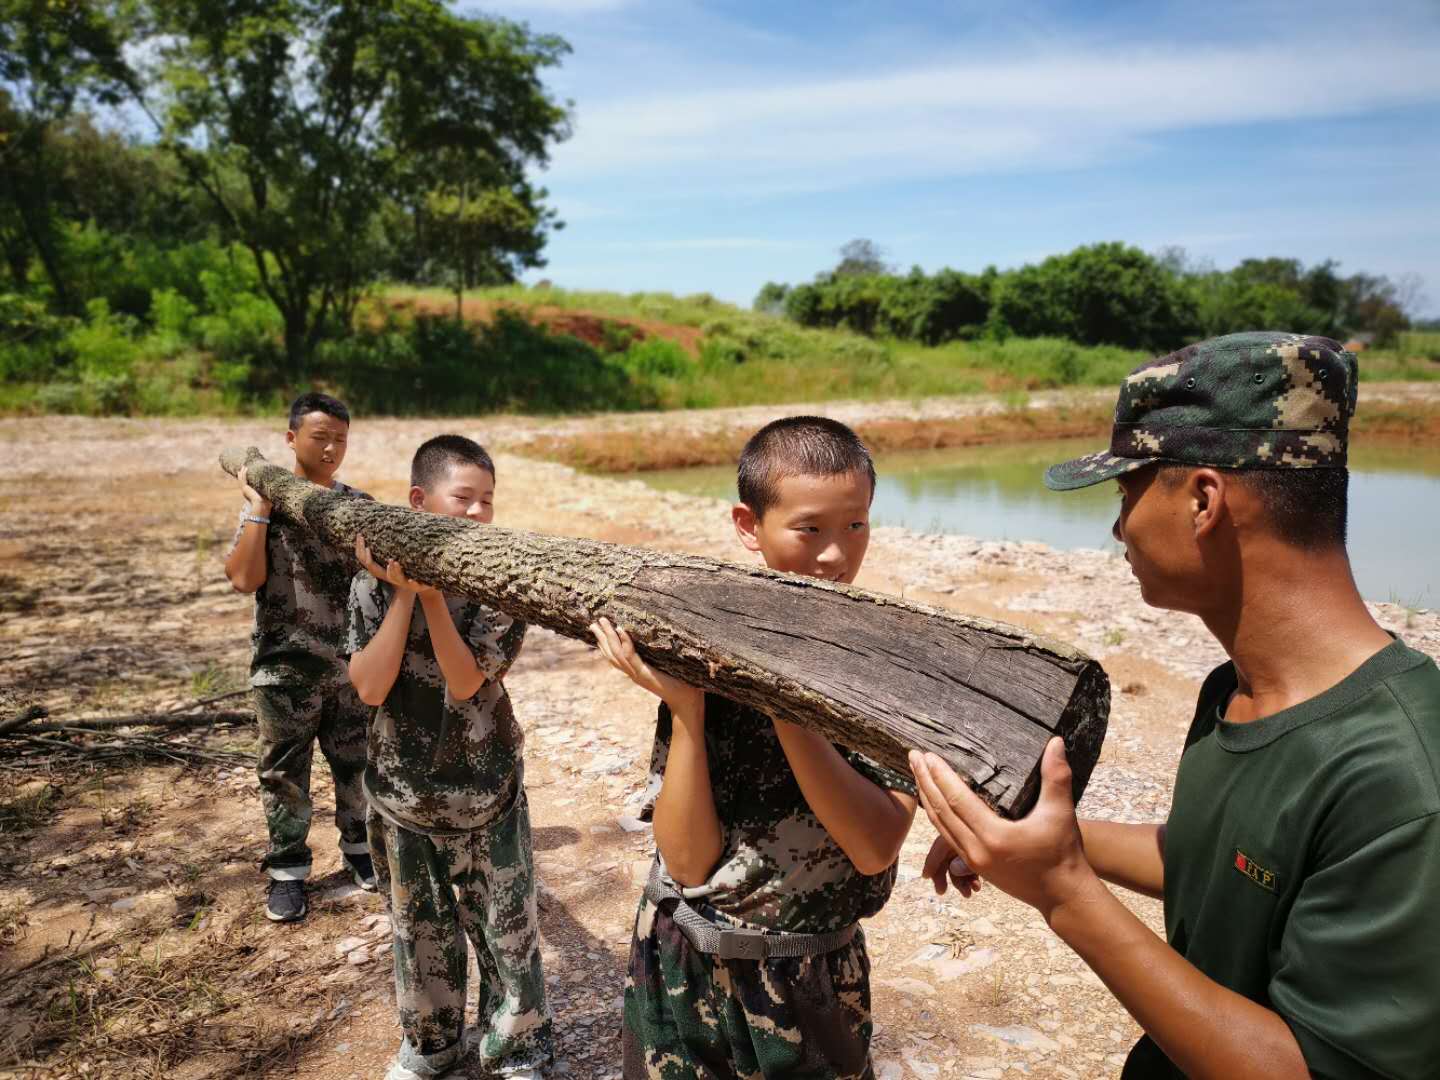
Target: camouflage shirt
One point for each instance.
(300, 610)
(435, 764)
(779, 867)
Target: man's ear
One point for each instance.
(746, 523)
(290, 438)
(1208, 490)
(417, 498)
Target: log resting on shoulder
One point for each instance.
(866, 670)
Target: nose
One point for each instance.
(1115, 531)
(474, 510)
(831, 559)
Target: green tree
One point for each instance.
(303, 120)
(861, 258)
(55, 56)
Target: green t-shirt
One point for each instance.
(779, 868)
(1302, 866)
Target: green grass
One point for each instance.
(745, 358)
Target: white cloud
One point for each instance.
(557, 7)
(1057, 108)
(703, 243)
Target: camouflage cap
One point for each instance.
(1257, 400)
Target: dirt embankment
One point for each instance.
(601, 331)
(131, 937)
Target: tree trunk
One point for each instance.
(866, 670)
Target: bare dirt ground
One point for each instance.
(131, 936)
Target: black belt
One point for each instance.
(740, 942)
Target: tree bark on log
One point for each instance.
(866, 670)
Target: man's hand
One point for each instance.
(393, 573)
(258, 506)
(615, 645)
(1039, 859)
(943, 867)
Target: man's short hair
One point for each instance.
(1308, 508)
(437, 456)
(798, 446)
(313, 402)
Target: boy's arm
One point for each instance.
(1207, 1030)
(457, 663)
(375, 666)
(245, 564)
(687, 828)
(867, 821)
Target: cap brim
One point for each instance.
(1091, 469)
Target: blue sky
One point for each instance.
(721, 145)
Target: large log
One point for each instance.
(868, 671)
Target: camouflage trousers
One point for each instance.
(442, 889)
(292, 718)
(690, 1015)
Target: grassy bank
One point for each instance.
(542, 351)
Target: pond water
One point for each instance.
(995, 493)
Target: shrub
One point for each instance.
(657, 357)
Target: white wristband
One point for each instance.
(258, 520)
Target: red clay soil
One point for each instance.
(588, 326)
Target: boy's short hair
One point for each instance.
(436, 456)
(306, 404)
(798, 446)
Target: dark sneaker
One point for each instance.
(361, 869)
(286, 901)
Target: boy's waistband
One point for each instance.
(740, 943)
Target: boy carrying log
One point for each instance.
(772, 843)
(302, 693)
(449, 823)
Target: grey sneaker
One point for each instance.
(361, 868)
(285, 901)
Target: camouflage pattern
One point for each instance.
(434, 763)
(300, 610)
(302, 689)
(1255, 400)
(690, 1015)
(291, 719)
(779, 868)
(441, 890)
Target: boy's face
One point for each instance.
(818, 526)
(466, 491)
(319, 445)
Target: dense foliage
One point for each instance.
(1102, 294)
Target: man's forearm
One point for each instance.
(1209, 1032)
(1131, 856)
(866, 821)
(687, 828)
(457, 663)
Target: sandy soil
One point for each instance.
(131, 936)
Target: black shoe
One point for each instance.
(361, 869)
(286, 901)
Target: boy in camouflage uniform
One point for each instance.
(772, 844)
(449, 823)
(302, 691)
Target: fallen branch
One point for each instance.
(171, 721)
(866, 670)
(25, 716)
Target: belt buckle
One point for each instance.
(742, 943)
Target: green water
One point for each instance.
(995, 493)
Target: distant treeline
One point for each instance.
(1100, 294)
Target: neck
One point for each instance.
(314, 478)
(1296, 626)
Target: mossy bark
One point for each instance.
(868, 671)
